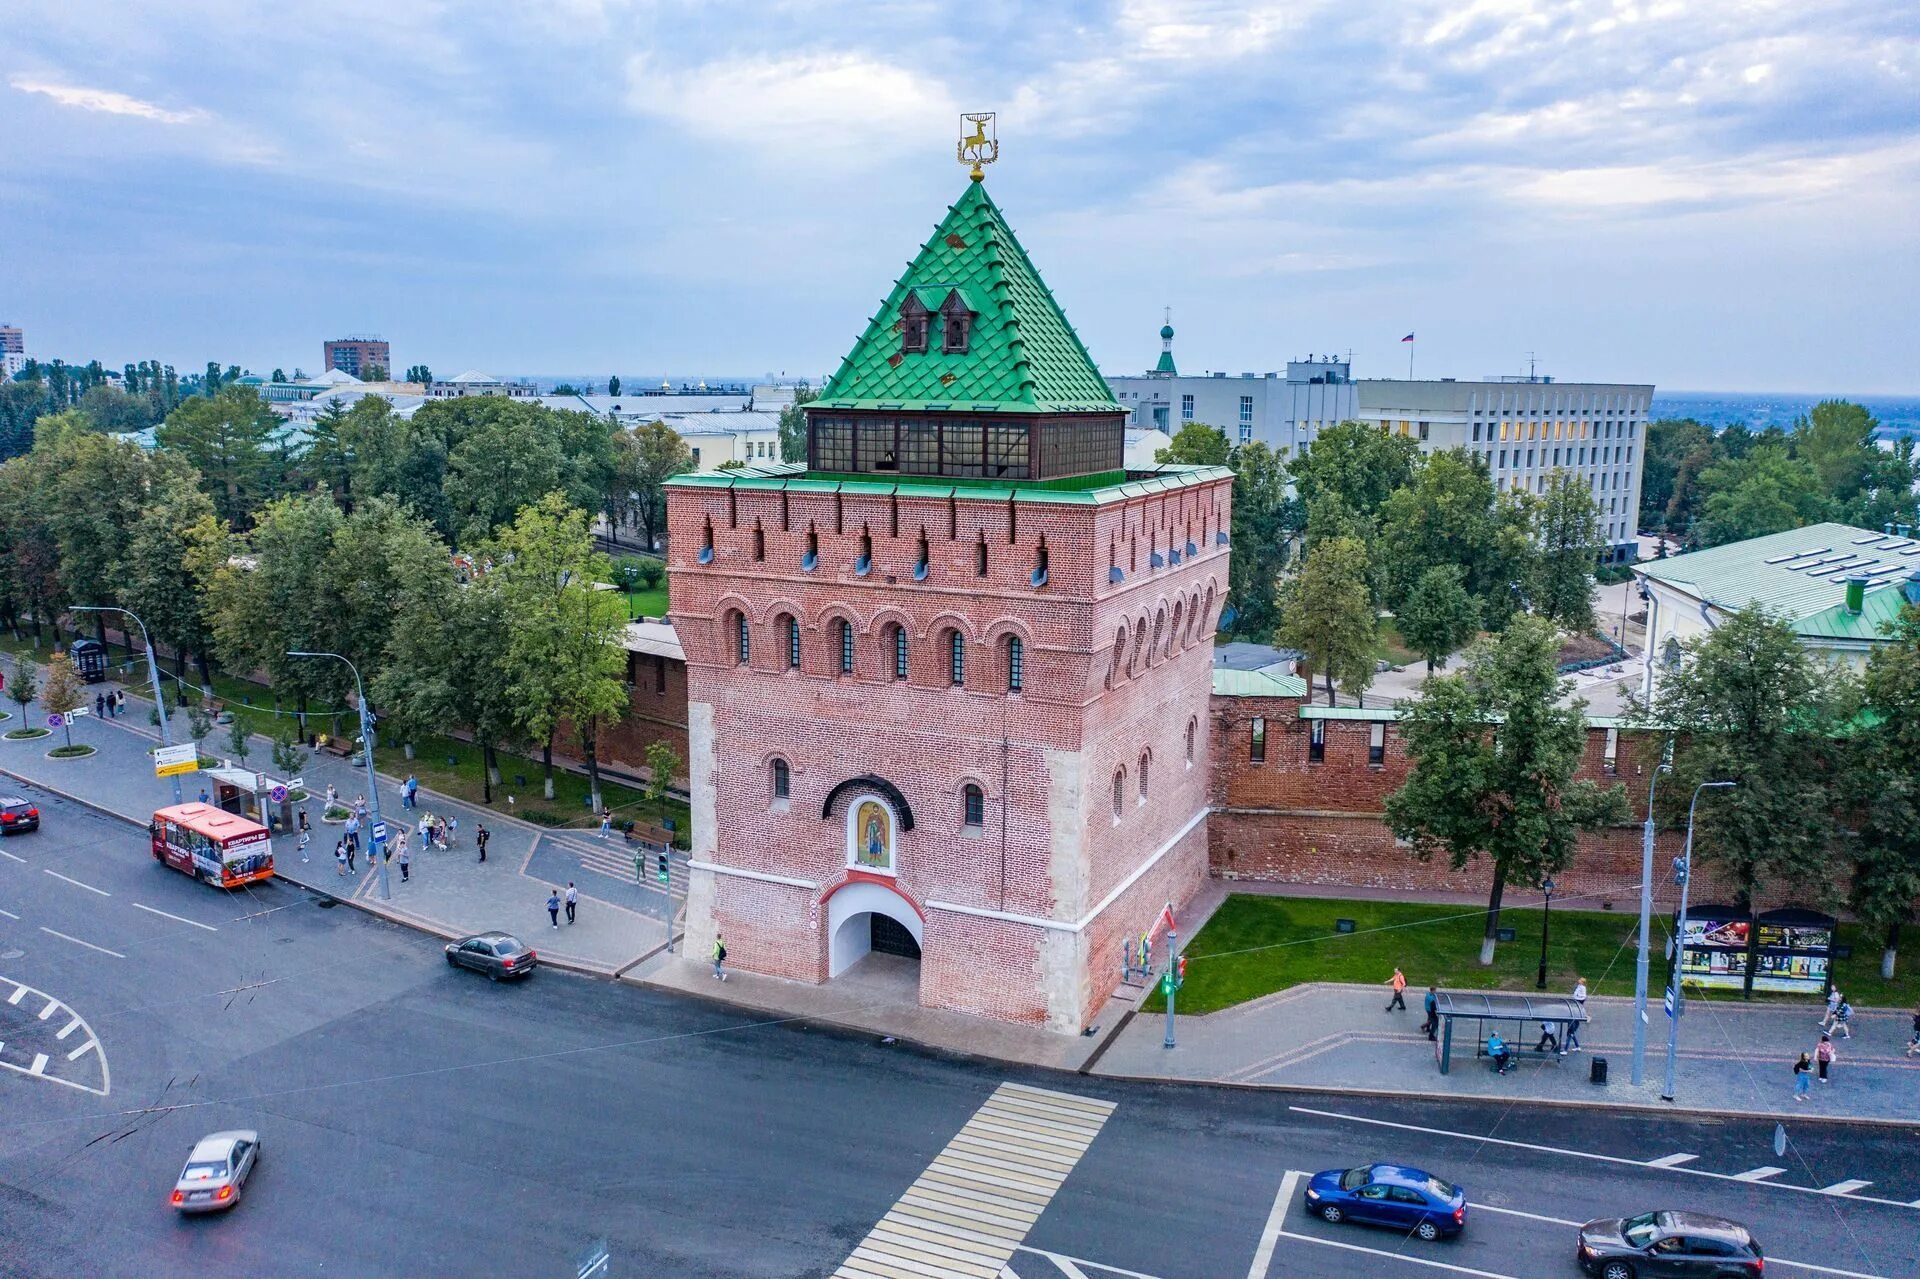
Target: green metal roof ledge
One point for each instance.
(1022, 355)
(1118, 486)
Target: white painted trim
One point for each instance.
(760, 875)
(1060, 926)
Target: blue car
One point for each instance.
(1405, 1199)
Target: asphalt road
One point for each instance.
(419, 1121)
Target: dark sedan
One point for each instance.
(18, 815)
(1669, 1245)
(1389, 1195)
(497, 955)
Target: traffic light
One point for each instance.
(1183, 970)
(1166, 983)
(663, 868)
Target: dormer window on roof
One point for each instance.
(957, 318)
(914, 318)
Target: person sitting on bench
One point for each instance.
(1501, 1054)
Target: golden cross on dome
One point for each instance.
(979, 141)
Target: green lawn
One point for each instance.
(1390, 646)
(1266, 944)
(463, 779)
(651, 603)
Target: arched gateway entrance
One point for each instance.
(867, 915)
(864, 919)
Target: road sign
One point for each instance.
(54, 720)
(169, 761)
(279, 796)
(295, 783)
(1667, 999)
(378, 833)
(79, 711)
(1779, 1139)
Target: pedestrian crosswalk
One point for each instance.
(966, 1215)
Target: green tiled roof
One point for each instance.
(1228, 683)
(1782, 573)
(1022, 355)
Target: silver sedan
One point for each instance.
(217, 1171)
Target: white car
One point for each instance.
(217, 1171)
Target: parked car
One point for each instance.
(1669, 1245)
(1389, 1195)
(217, 1171)
(497, 955)
(18, 815)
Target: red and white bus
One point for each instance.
(212, 844)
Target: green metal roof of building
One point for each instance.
(1227, 683)
(1802, 575)
(1022, 356)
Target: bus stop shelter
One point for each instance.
(1508, 1013)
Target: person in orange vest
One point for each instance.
(1399, 983)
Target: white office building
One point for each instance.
(1526, 428)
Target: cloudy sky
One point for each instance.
(1708, 194)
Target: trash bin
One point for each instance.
(1599, 1075)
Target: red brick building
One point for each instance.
(949, 683)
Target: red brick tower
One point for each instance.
(948, 682)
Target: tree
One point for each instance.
(63, 690)
(101, 485)
(613, 385)
(373, 554)
(25, 683)
(239, 739)
(1265, 520)
(1438, 615)
(565, 388)
(1835, 438)
(1766, 491)
(1328, 615)
(1677, 450)
(160, 575)
(225, 437)
(376, 373)
(288, 758)
(1566, 523)
(793, 425)
(644, 459)
(279, 375)
(1748, 704)
(1443, 516)
(1494, 751)
(663, 765)
(563, 659)
(113, 410)
(504, 465)
(29, 552)
(419, 373)
(1197, 444)
(1879, 783)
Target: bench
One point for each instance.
(338, 747)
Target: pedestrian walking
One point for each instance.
(1572, 1040)
(1841, 1016)
(1399, 983)
(99, 705)
(573, 900)
(480, 837)
(1913, 1042)
(1802, 1077)
(304, 828)
(1825, 1055)
(719, 957)
(1834, 1000)
(333, 793)
(360, 807)
(340, 857)
(353, 833)
(1432, 1023)
(119, 703)
(452, 831)
(409, 790)
(404, 862)
(553, 907)
(606, 823)
(304, 837)
(352, 848)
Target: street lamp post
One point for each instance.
(373, 783)
(1546, 919)
(153, 674)
(1646, 925)
(1683, 871)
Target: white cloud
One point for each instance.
(106, 101)
(809, 106)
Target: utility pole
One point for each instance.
(1646, 924)
(377, 836)
(1683, 871)
(153, 675)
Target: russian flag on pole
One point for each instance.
(1407, 338)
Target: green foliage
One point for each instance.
(1265, 520)
(1749, 704)
(199, 724)
(731, 464)
(288, 757)
(1444, 516)
(175, 542)
(793, 425)
(613, 385)
(111, 409)
(1494, 751)
(239, 739)
(25, 684)
(663, 765)
(63, 690)
(1569, 540)
(1880, 783)
(1766, 491)
(225, 438)
(652, 573)
(1438, 615)
(419, 373)
(278, 598)
(1197, 444)
(1327, 613)
(643, 460)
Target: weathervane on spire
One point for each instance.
(979, 141)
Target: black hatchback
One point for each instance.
(18, 815)
(1669, 1245)
(498, 955)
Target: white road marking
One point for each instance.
(1060, 1259)
(19, 993)
(81, 1051)
(1397, 1256)
(68, 1029)
(1758, 1174)
(9, 914)
(53, 1006)
(39, 1066)
(92, 1043)
(1671, 1161)
(181, 919)
(1844, 1187)
(1276, 1219)
(9, 856)
(1582, 1154)
(76, 941)
(1530, 1216)
(76, 883)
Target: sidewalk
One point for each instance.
(449, 893)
